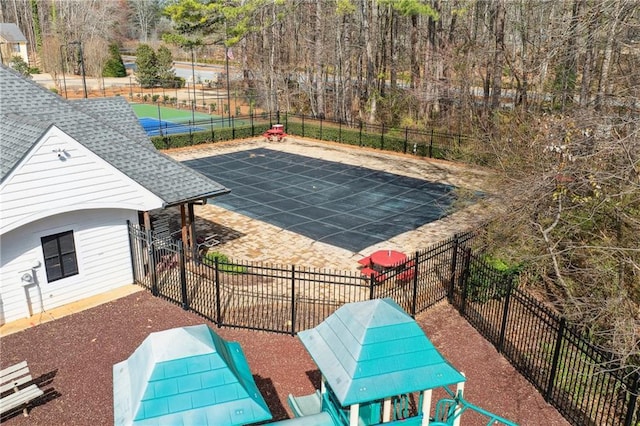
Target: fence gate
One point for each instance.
(158, 263)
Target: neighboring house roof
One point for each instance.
(11, 33)
(101, 125)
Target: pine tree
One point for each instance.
(165, 71)
(147, 65)
(114, 67)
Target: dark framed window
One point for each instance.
(60, 259)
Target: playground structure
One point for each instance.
(377, 368)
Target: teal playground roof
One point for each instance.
(189, 376)
(373, 350)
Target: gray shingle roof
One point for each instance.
(17, 135)
(117, 113)
(27, 110)
(11, 33)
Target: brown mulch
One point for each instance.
(72, 358)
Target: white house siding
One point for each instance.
(60, 186)
(104, 262)
(60, 175)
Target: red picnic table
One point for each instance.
(381, 262)
(387, 258)
(275, 132)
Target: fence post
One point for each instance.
(152, 263)
(382, 138)
(406, 139)
(278, 117)
(554, 362)
(466, 260)
(340, 131)
(218, 297)
(505, 315)
(633, 400)
(360, 136)
(320, 129)
(190, 133)
(371, 285)
(183, 279)
(431, 145)
(303, 125)
(293, 300)
(415, 285)
(211, 124)
(133, 253)
(233, 127)
(454, 265)
(253, 130)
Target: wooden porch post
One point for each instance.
(184, 227)
(192, 231)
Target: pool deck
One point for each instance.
(243, 238)
(249, 239)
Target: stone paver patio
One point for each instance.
(244, 238)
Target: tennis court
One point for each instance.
(347, 206)
(158, 120)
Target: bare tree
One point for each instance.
(571, 191)
(146, 13)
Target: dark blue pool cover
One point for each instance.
(346, 206)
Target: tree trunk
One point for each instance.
(318, 66)
(498, 55)
(369, 97)
(415, 65)
(608, 54)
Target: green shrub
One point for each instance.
(490, 279)
(224, 265)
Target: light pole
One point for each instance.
(226, 57)
(84, 80)
(64, 79)
(193, 81)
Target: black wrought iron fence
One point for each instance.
(573, 375)
(576, 377)
(420, 142)
(283, 299)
